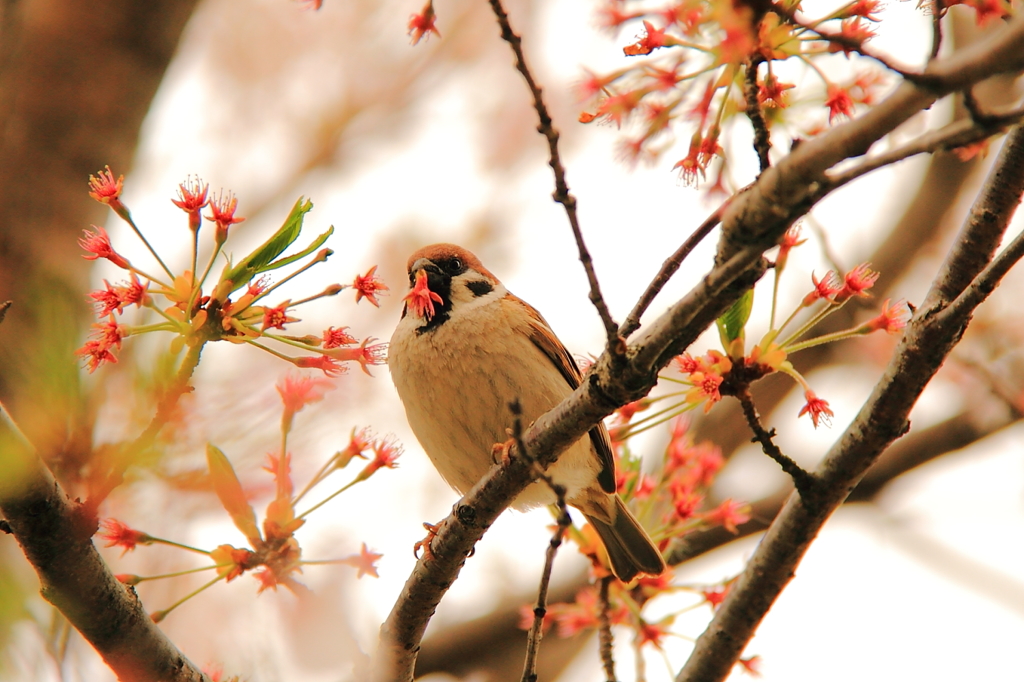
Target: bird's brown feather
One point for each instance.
(545, 339)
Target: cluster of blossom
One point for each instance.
(715, 374)
(698, 72)
(705, 49)
(232, 308)
(673, 500)
(624, 606)
(670, 502)
(700, 54)
(274, 555)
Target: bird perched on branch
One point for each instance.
(464, 350)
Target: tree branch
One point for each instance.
(604, 629)
(762, 137)
(930, 336)
(561, 194)
(950, 137)
(804, 481)
(74, 576)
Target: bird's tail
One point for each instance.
(630, 549)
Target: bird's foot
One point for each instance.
(501, 453)
(424, 544)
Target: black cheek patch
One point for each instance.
(480, 288)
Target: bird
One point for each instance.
(463, 351)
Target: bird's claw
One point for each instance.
(424, 544)
(501, 453)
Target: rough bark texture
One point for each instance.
(72, 574)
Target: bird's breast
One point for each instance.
(457, 382)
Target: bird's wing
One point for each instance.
(545, 339)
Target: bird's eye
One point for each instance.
(454, 266)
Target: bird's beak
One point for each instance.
(420, 264)
(435, 278)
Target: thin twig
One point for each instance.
(826, 246)
(951, 136)
(762, 137)
(540, 609)
(604, 629)
(803, 480)
(986, 282)
(936, 29)
(564, 521)
(561, 194)
(669, 268)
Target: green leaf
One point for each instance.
(317, 243)
(259, 260)
(229, 490)
(731, 324)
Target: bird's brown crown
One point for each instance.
(439, 252)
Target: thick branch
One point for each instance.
(74, 577)
(931, 335)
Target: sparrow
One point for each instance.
(463, 351)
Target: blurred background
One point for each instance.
(401, 146)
